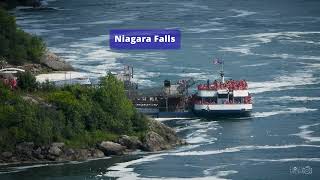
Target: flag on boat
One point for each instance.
(217, 61)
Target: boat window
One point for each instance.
(222, 95)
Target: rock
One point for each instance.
(54, 62)
(70, 154)
(111, 148)
(7, 155)
(37, 153)
(25, 148)
(96, 153)
(160, 137)
(55, 151)
(51, 157)
(131, 142)
(168, 134)
(82, 154)
(58, 144)
(154, 142)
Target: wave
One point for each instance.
(297, 98)
(15, 169)
(287, 111)
(90, 55)
(255, 65)
(105, 22)
(238, 49)
(243, 49)
(283, 82)
(306, 134)
(290, 56)
(194, 5)
(256, 40)
(186, 68)
(170, 119)
(125, 171)
(268, 37)
(209, 171)
(239, 148)
(286, 160)
(199, 135)
(242, 13)
(204, 30)
(304, 41)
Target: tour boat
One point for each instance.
(222, 98)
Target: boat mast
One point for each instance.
(222, 73)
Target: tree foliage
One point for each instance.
(79, 115)
(17, 46)
(26, 81)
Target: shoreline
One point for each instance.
(164, 138)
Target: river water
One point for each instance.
(274, 45)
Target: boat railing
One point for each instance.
(246, 101)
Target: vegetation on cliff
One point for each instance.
(18, 47)
(78, 115)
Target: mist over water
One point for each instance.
(274, 45)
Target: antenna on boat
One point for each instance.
(218, 61)
(222, 72)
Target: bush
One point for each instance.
(80, 116)
(26, 81)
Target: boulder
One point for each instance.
(82, 154)
(131, 142)
(160, 137)
(7, 155)
(25, 148)
(164, 131)
(54, 150)
(70, 154)
(58, 144)
(168, 134)
(54, 62)
(96, 153)
(111, 148)
(37, 153)
(154, 142)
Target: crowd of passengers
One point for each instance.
(229, 84)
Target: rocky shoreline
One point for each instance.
(49, 62)
(158, 137)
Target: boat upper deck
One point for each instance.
(228, 85)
